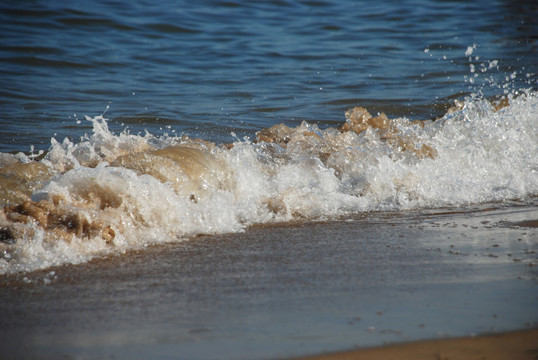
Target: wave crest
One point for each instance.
(109, 193)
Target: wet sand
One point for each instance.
(293, 290)
(514, 345)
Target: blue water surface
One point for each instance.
(207, 68)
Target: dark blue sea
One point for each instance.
(208, 68)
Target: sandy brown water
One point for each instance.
(286, 290)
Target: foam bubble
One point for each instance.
(470, 49)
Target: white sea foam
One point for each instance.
(481, 155)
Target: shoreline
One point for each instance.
(285, 291)
(522, 344)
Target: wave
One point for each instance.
(109, 193)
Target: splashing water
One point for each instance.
(109, 193)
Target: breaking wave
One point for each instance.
(109, 193)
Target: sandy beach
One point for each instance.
(381, 282)
(514, 345)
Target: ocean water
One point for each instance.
(125, 124)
